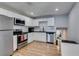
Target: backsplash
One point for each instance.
(24, 28)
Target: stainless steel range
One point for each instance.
(21, 38)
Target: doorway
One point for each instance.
(63, 32)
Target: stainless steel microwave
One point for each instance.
(19, 22)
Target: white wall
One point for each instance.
(61, 21)
(73, 32)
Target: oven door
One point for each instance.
(20, 38)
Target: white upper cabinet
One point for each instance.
(35, 22)
(28, 21)
(38, 22)
(51, 22)
(45, 22)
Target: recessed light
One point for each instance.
(32, 13)
(56, 9)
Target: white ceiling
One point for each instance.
(38, 8)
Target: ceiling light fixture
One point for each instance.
(56, 9)
(32, 13)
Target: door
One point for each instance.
(6, 43)
(5, 22)
(63, 33)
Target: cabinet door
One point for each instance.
(35, 23)
(28, 22)
(30, 37)
(14, 42)
(6, 22)
(51, 22)
(39, 37)
(43, 23)
(6, 43)
(43, 37)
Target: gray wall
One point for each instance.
(61, 21)
(73, 32)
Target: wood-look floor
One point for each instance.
(38, 49)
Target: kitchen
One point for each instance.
(21, 33)
(38, 31)
(25, 30)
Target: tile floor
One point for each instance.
(38, 49)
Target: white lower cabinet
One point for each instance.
(30, 37)
(36, 36)
(40, 37)
(14, 42)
